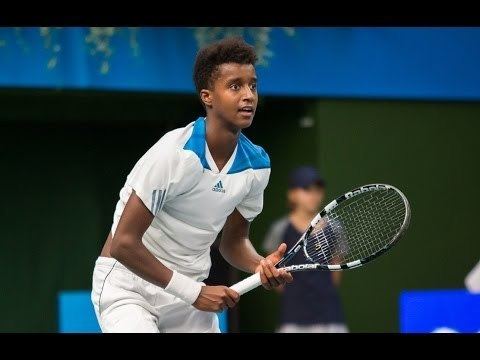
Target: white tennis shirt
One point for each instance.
(179, 182)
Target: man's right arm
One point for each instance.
(127, 247)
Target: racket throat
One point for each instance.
(289, 255)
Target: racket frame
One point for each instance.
(301, 243)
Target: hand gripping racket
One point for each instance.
(349, 232)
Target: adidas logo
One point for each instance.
(218, 187)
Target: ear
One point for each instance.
(206, 97)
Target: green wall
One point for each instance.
(65, 156)
(429, 151)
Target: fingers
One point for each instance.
(263, 277)
(233, 294)
(281, 249)
(231, 297)
(227, 302)
(216, 299)
(286, 276)
(267, 273)
(272, 273)
(271, 276)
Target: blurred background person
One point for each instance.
(472, 281)
(312, 302)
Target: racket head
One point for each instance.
(357, 227)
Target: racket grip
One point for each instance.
(247, 284)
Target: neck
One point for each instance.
(221, 138)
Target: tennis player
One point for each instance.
(191, 184)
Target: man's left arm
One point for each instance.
(237, 249)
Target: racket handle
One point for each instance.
(247, 284)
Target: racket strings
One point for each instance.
(357, 229)
(374, 230)
(362, 249)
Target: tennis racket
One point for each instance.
(349, 232)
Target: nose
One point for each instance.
(248, 94)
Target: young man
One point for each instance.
(193, 182)
(311, 303)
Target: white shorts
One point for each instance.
(124, 302)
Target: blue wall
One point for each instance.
(396, 63)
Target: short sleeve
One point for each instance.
(151, 176)
(252, 204)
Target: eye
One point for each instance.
(235, 87)
(253, 87)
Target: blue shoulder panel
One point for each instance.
(249, 156)
(196, 143)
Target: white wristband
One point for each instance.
(184, 288)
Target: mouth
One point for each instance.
(246, 110)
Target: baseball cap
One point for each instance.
(304, 176)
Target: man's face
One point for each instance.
(234, 96)
(308, 199)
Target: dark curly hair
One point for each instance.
(229, 50)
